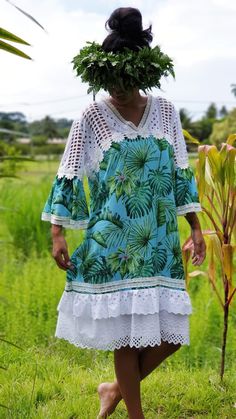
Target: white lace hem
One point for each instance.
(64, 221)
(192, 207)
(136, 330)
(139, 301)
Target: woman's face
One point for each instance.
(122, 96)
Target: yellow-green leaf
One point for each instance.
(13, 50)
(4, 34)
(197, 273)
(201, 167)
(189, 137)
(231, 139)
(228, 261)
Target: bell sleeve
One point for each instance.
(66, 204)
(185, 186)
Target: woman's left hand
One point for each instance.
(199, 243)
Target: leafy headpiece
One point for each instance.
(126, 69)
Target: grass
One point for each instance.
(49, 378)
(64, 380)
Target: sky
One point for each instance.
(198, 35)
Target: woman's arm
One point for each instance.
(193, 220)
(60, 248)
(199, 253)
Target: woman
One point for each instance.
(125, 288)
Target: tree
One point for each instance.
(222, 129)
(49, 127)
(45, 127)
(185, 118)
(211, 112)
(223, 112)
(233, 89)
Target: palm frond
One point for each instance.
(9, 36)
(9, 48)
(26, 14)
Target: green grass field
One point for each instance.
(51, 379)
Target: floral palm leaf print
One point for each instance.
(122, 183)
(139, 202)
(99, 272)
(124, 260)
(165, 211)
(132, 230)
(141, 236)
(106, 215)
(137, 158)
(102, 192)
(160, 181)
(172, 244)
(144, 269)
(159, 259)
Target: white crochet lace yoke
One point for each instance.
(101, 124)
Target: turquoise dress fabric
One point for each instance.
(131, 231)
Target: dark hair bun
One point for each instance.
(126, 30)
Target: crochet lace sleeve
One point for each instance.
(66, 204)
(73, 159)
(185, 188)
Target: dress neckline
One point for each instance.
(125, 121)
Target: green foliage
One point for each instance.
(47, 127)
(128, 69)
(222, 129)
(39, 140)
(26, 232)
(211, 112)
(10, 161)
(4, 34)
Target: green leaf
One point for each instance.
(9, 48)
(4, 34)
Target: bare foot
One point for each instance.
(110, 396)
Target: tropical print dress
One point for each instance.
(127, 285)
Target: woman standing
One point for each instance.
(125, 285)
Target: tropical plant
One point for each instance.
(216, 179)
(6, 35)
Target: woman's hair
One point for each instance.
(126, 31)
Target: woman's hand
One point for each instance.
(60, 248)
(199, 252)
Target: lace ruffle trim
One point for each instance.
(64, 221)
(192, 207)
(139, 301)
(136, 330)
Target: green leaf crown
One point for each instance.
(127, 69)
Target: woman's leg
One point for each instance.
(149, 358)
(126, 361)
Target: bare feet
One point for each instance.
(110, 396)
